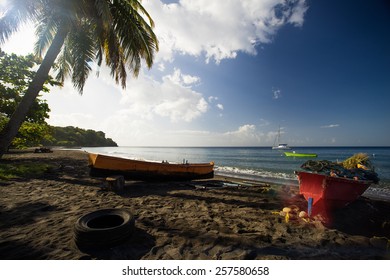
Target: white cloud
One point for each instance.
(277, 93)
(245, 129)
(172, 98)
(72, 119)
(220, 106)
(126, 130)
(297, 13)
(264, 122)
(212, 98)
(161, 67)
(220, 29)
(214, 29)
(134, 116)
(143, 113)
(330, 126)
(245, 134)
(183, 80)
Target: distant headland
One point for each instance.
(70, 136)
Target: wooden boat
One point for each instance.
(104, 166)
(294, 154)
(326, 193)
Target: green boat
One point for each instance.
(294, 154)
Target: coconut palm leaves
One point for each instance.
(74, 35)
(13, 15)
(118, 32)
(110, 31)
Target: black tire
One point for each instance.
(103, 228)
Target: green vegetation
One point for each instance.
(73, 136)
(15, 170)
(73, 36)
(15, 76)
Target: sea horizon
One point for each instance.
(246, 146)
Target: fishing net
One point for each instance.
(357, 167)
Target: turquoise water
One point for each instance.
(256, 163)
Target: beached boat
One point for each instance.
(103, 166)
(294, 154)
(325, 193)
(279, 146)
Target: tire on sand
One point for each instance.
(103, 228)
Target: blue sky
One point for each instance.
(229, 73)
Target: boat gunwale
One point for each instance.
(105, 165)
(97, 156)
(294, 154)
(341, 179)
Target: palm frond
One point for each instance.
(82, 45)
(119, 32)
(115, 58)
(45, 32)
(137, 6)
(52, 14)
(100, 17)
(14, 14)
(63, 64)
(101, 10)
(135, 35)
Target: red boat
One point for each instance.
(325, 193)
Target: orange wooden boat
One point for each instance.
(103, 166)
(326, 193)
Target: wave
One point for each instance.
(265, 168)
(380, 191)
(256, 175)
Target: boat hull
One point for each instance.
(103, 166)
(329, 193)
(292, 154)
(281, 147)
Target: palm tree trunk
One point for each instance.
(17, 118)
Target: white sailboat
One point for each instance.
(279, 146)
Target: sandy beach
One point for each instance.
(178, 220)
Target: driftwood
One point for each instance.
(114, 183)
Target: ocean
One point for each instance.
(258, 163)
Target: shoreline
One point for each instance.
(264, 172)
(178, 220)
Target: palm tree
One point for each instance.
(72, 35)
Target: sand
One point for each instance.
(178, 220)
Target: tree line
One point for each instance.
(76, 137)
(15, 74)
